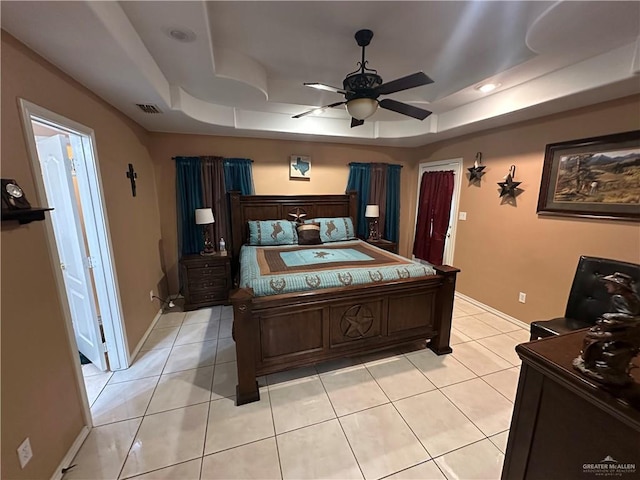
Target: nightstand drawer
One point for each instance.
(218, 295)
(197, 274)
(199, 261)
(196, 284)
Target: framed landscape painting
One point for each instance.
(593, 177)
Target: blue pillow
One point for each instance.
(272, 232)
(335, 229)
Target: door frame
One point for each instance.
(108, 297)
(454, 164)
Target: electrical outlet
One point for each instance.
(24, 452)
(462, 215)
(522, 297)
(151, 295)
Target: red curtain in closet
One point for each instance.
(434, 208)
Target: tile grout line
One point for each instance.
(405, 420)
(143, 415)
(467, 417)
(490, 351)
(177, 408)
(141, 421)
(206, 424)
(275, 433)
(439, 389)
(340, 424)
(510, 401)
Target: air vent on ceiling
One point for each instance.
(148, 108)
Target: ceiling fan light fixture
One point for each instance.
(362, 108)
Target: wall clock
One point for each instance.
(13, 197)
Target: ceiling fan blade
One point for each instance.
(319, 108)
(405, 83)
(328, 88)
(355, 122)
(404, 109)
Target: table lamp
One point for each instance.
(204, 217)
(372, 212)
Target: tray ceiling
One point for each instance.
(237, 68)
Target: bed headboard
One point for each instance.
(278, 207)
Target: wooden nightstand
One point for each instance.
(206, 280)
(387, 245)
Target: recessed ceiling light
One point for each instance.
(180, 34)
(487, 87)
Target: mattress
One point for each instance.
(296, 268)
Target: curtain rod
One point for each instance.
(374, 163)
(223, 158)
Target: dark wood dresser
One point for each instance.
(387, 245)
(566, 426)
(206, 280)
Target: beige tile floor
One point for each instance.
(406, 414)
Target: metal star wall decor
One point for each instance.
(509, 187)
(476, 172)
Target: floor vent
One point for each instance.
(148, 108)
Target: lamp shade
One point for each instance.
(361, 108)
(204, 216)
(372, 211)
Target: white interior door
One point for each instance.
(57, 176)
(454, 165)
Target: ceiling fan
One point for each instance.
(362, 88)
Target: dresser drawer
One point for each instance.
(212, 282)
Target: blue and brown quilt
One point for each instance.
(287, 269)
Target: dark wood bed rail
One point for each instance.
(287, 331)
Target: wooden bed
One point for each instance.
(290, 330)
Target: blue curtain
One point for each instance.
(359, 179)
(392, 221)
(189, 197)
(237, 175)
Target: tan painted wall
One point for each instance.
(329, 168)
(502, 249)
(40, 398)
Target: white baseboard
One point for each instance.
(73, 451)
(146, 335)
(500, 314)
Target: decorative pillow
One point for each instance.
(272, 232)
(309, 234)
(334, 229)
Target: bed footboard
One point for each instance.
(292, 330)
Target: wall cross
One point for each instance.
(132, 175)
